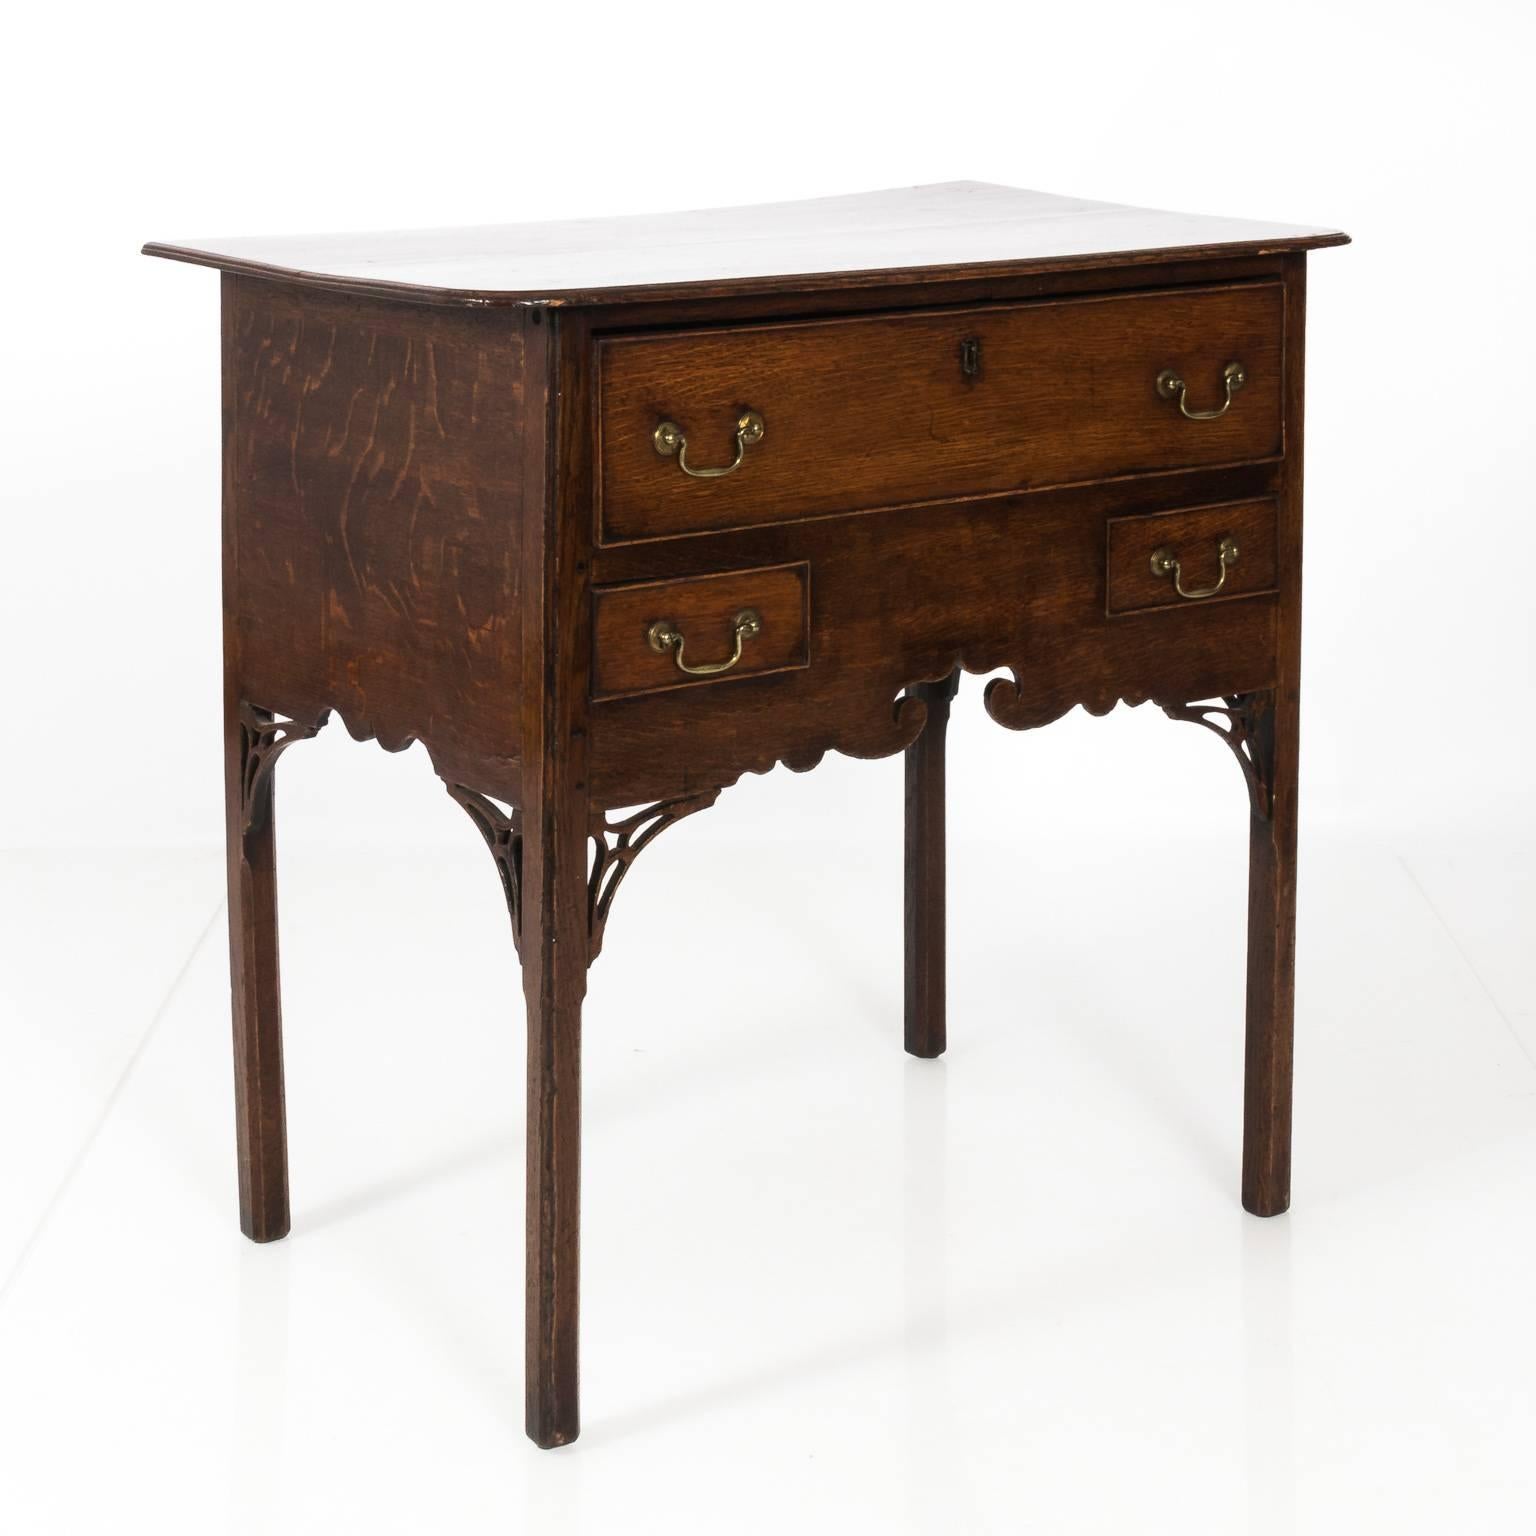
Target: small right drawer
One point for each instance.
(1191, 556)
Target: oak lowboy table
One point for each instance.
(609, 513)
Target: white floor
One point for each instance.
(826, 1287)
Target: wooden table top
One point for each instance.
(957, 228)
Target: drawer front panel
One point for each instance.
(1191, 556)
(1009, 582)
(892, 409)
(646, 634)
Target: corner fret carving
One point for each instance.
(1245, 721)
(615, 846)
(501, 825)
(263, 739)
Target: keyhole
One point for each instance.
(970, 357)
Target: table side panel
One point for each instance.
(375, 488)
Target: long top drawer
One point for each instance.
(885, 409)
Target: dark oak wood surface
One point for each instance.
(925, 876)
(446, 521)
(912, 594)
(551, 694)
(703, 610)
(371, 456)
(1194, 536)
(881, 410)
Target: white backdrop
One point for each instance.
(825, 1286)
(174, 121)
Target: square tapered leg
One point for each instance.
(924, 918)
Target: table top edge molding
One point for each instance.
(953, 231)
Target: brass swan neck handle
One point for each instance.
(1166, 563)
(1171, 386)
(670, 441)
(664, 636)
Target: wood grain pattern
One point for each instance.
(703, 610)
(1193, 535)
(870, 238)
(910, 595)
(411, 501)
(555, 933)
(253, 741)
(1271, 997)
(878, 411)
(376, 518)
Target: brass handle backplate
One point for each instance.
(1165, 563)
(1172, 387)
(670, 441)
(664, 636)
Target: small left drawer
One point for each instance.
(654, 635)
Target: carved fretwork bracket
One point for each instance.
(615, 846)
(501, 825)
(1245, 721)
(263, 739)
